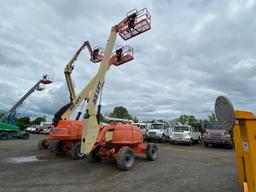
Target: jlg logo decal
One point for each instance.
(96, 95)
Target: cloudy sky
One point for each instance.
(195, 51)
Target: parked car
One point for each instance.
(160, 132)
(185, 134)
(216, 135)
(46, 130)
(39, 129)
(31, 129)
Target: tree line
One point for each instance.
(122, 113)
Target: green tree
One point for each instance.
(135, 119)
(38, 120)
(212, 117)
(121, 113)
(102, 119)
(22, 122)
(187, 119)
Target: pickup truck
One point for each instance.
(160, 132)
(216, 135)
(185, 134)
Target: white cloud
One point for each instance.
(195, 51)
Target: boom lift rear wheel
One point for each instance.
(125, 158)
(42, 144)
(58, 147)
(152, 152)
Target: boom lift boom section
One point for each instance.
(96, 56)
(136, 22)
(122, 55)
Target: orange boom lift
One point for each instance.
(120, 142)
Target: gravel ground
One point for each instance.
(179, 168)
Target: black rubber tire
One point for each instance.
(163, 139)
(93, 156)
(24, 135)
(58, 147)
(41, 145)
(4, 136)
(206, 144)
(75, 151)
(50, 146)
(125, 158)
(152, 152)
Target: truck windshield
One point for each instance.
(143, 126)
(180, 129)
(213, 125)
(157, 126)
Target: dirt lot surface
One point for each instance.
(179, 168)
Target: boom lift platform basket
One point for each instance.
(122, 55)
(137, 22)
(97, 54)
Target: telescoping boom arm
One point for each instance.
(9, 116)
(96, 56)
(67, 110)
(135, 23)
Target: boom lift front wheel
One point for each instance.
(4, 135)
(24, 135)
(75, 151)
(93, 156)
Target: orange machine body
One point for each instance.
(114, 136)
(67, 130)
(70, 131)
